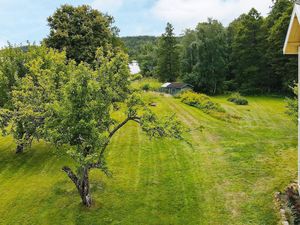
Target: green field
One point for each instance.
(228, 175)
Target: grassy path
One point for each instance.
(227, 176)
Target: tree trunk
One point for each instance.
(82, 185)
(84, 189)
(20, 148)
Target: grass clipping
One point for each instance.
(205, 104)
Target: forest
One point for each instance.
(245, 56)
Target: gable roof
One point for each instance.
(165, 85)
(176, 85)
(292, 41)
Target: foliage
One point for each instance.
(292, 105)
(200, 101)
(247, 60)
(12, 68)
(246, 56)
(168, 56)
(147, 59)
(80, 31)
(146, 87)
(134, 45)
(281, 69)
(46, 73)
(71, 106)
(256, 62)
(204, 57)
(154, 84)
(237, 99)
(136, 77)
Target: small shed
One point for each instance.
(175, 88)
(292, 47)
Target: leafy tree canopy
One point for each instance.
(80, 31)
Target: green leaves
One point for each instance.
(168, 127)
(80, 31)
(204, 61)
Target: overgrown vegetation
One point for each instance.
(200, 101)
(207, 105)
(237, 99)
(289, 204)
(148, 84)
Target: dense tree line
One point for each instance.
(246, 56)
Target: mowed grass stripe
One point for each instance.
(227, 176)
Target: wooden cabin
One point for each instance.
(175, 88)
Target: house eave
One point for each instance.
(292, 41)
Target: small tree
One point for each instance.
(81, 122)
(168, 56)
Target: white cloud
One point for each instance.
(107, 5)
(187, 13)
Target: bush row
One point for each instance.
(200, 101)
(237, 99)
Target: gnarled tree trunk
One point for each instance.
(82, 184)
(20, 148)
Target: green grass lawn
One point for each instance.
(228, 175)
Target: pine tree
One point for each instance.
(247, 47)
(168, 56)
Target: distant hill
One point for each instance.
(133, 43)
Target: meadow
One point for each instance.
(226, 173)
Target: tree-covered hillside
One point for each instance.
(134, 43)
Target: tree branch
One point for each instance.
(118, 127)
(71, 175)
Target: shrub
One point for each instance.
(292, 104)
(135, 77)
(146, 87)
(237, 99)
(153, 84)
(200, 101)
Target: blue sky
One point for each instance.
(22, 20)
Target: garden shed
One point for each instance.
(175, 88)
(292, 47)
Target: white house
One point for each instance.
(292, 46)
(134, 67)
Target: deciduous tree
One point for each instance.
(204, 57)
(80, 31)
(82, 122)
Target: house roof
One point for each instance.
(292, 41)
(176, 85)
(165, 85)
